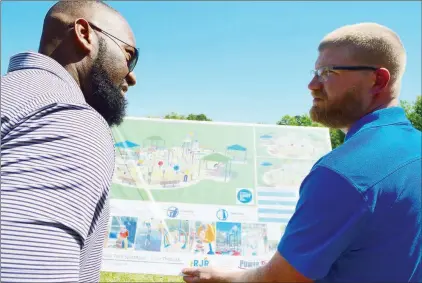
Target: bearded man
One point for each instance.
(358, 218)
(56, 145)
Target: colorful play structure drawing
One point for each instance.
(154, 166)
(122, 232)
(176, 236)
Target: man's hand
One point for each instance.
(207, 274)
(276, 270)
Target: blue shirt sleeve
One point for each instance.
(329, 214)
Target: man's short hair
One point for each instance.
(74, 6)
(371, 44)
(61, 15)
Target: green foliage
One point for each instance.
(414, 111)
(174, 116)
(198, 117)
(298, 120)
(195, 117)
(337, 137)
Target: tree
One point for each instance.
(298, 120)
(198, 117)
(174, 116)
(336, 136)
(195, 117)
(413, 111)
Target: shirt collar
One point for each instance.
(382, 117)
(34, 60)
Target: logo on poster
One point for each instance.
(244, 196)
(172, 212)
(222, 214)
(200, 262)
(244, 264)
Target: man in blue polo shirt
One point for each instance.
(358, 218)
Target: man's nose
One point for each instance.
(131, 79)
(314, 84)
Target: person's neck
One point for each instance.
(391, 103)
(57, 54)
(71, 69)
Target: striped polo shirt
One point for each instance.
(57, 162)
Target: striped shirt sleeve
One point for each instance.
(56, 170)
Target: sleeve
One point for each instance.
(56, 171)
(329, 214)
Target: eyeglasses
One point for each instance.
(131, 63)
(324, 72)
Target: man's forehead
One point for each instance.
(334, 56)
(115, 25)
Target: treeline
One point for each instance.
(413, 111)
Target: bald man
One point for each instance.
(358, 218)
(95, 45)
(56, 145)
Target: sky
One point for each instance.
(233, 61)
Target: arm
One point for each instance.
(276, 270)
(56, 169)
(328, 216)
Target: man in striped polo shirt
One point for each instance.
(57, 153)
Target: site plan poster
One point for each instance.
(189, 193)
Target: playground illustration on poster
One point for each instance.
(149, 235)
(179, 162)
(204, 237)
(203, 193)
(176, 236)
(295, 142)
(254, 239)
(282, 172)
(229, 238)
(122, 232)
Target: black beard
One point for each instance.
(106, 98)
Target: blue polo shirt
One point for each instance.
(358, 218)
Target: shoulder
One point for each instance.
(374, 154)
(325, 185)
(77, 132)
(84, 128)
(26, 91)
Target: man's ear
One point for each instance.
(83, 35)
(382, 78)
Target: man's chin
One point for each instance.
(315, 114)
(112, 117)
(115, 120)
(114, 113)
(326, 119)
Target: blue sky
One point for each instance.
(233, 61)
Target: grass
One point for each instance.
(131, 277)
